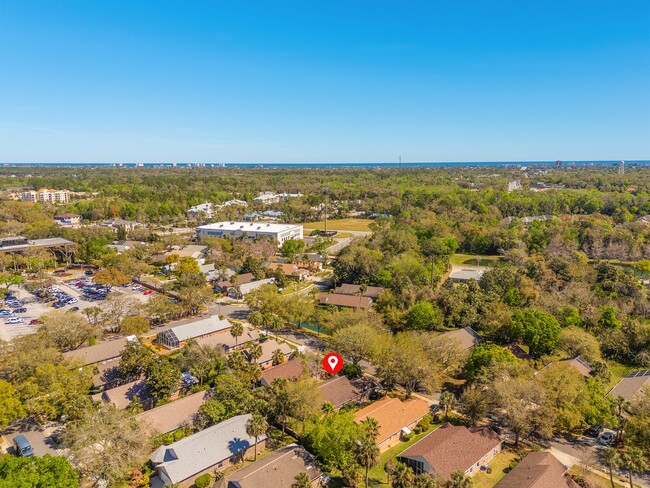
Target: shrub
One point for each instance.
(179, 434)
(488, 470)
(352, 371)
(425, 422)
(203, 481)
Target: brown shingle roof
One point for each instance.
(393, 415)
(338, 391)
(344, 300)
(348, 289)
(465, 337)
(122, 395)
(537, 470)
(99, 352)
(277, 470)
(453, 448)
(290, 370)
(579, 364)
(173, 415)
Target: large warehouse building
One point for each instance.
(251, 230)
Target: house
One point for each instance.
(347, 301)
(466, 338)
(290, 270)
(236, 280)
(190, 251)
(202, 210)
(277, 470)
(216, 447)
(370, 292)
(173, 337)
(68, 219)
(228, 342)
(466, 274)
(582, 366)
(243, 290)
(117, 224)
(99, 353)
(209, 271)
(121, 396)
(452, 448)
(289, 370)
(251, 230)
(176, 414)
(538, 470)
(395, 417)
(633, 385)
(268, 348)
(339, 391)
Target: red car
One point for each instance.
(148, 292)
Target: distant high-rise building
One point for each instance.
(621, 168)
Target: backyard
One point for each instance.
(358, 225)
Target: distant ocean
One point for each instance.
(346, 165)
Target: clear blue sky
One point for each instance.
(326, 81)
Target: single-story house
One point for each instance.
(68, 219)
(268, 348)
(348, 289)
(195, 251)
(348, 301)
(99, 353)
(632, 385)
(465, 274)
(339, 391)
(216, 447)
(452, 448)
(228, 342)
(289, 370)
(246, 288)
(121, 396)
(235, 280)
(209, 271)
(277, 470)
(538, 470)
(395, 417)
(106, 375)
(174, 415)
(173, 337)
(582, 366)
(466, 338)
(290, 270)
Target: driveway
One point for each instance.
(38, 437)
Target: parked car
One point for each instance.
(606, 439)
(72, 300)
(22, 446)
(595, 430)
(89, 272)
(20, 310)
(34, 322)
(5, 311)
(14, 320)
(148, 292)
(59, 304)
(74, 309)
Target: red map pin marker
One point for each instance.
(332, 363)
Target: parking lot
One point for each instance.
(65, 287)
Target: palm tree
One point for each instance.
(237, 360)
(620, 404)
(634, 461)
(367, 453)
(276, 323)
(401, 475)
(277, 357)
(371, 427)
(301, 481)
(459, 480)
(447, 402)
(328, 408)
(362, 289)
(611, 459)
(236, 330)
(256, 318)
(256, 426)
(255, 351)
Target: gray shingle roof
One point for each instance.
(200, 328)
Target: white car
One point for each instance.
(14, 320)
(72, 300)
(606, 438)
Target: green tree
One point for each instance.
(111, 277)
(611, 459)
(256, 426)
(608, 317)
(255, 351)
(236, 330)
(301, 480)
(135, 361)
(163, 377)
(213, 411)
(424, 316)
(67, 330)
(10, 406)
(355, 342)
(38, 472)
(291, 248)
(473, 404)
(539, 330)
(483, 356)
(277, 357)
(367, 453)
(203, 361)
(634, 460)
(447, 402)
(401, 475)
(460, 480)
(134, 325)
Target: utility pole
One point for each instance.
(325, 190)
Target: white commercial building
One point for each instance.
(251, 230)
(46, 195)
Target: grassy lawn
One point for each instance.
(474, 260)
(598, 481)
(294, 287)
(484, 480)
(377, 474)
(360, 225)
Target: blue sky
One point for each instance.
(337, 81)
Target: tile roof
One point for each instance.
(340, 300)
(393, 415)
(289, 370)
(193, 454)
(277, 470)
(453, 448)
(174, 415)
(338, 391)
(537, 470)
